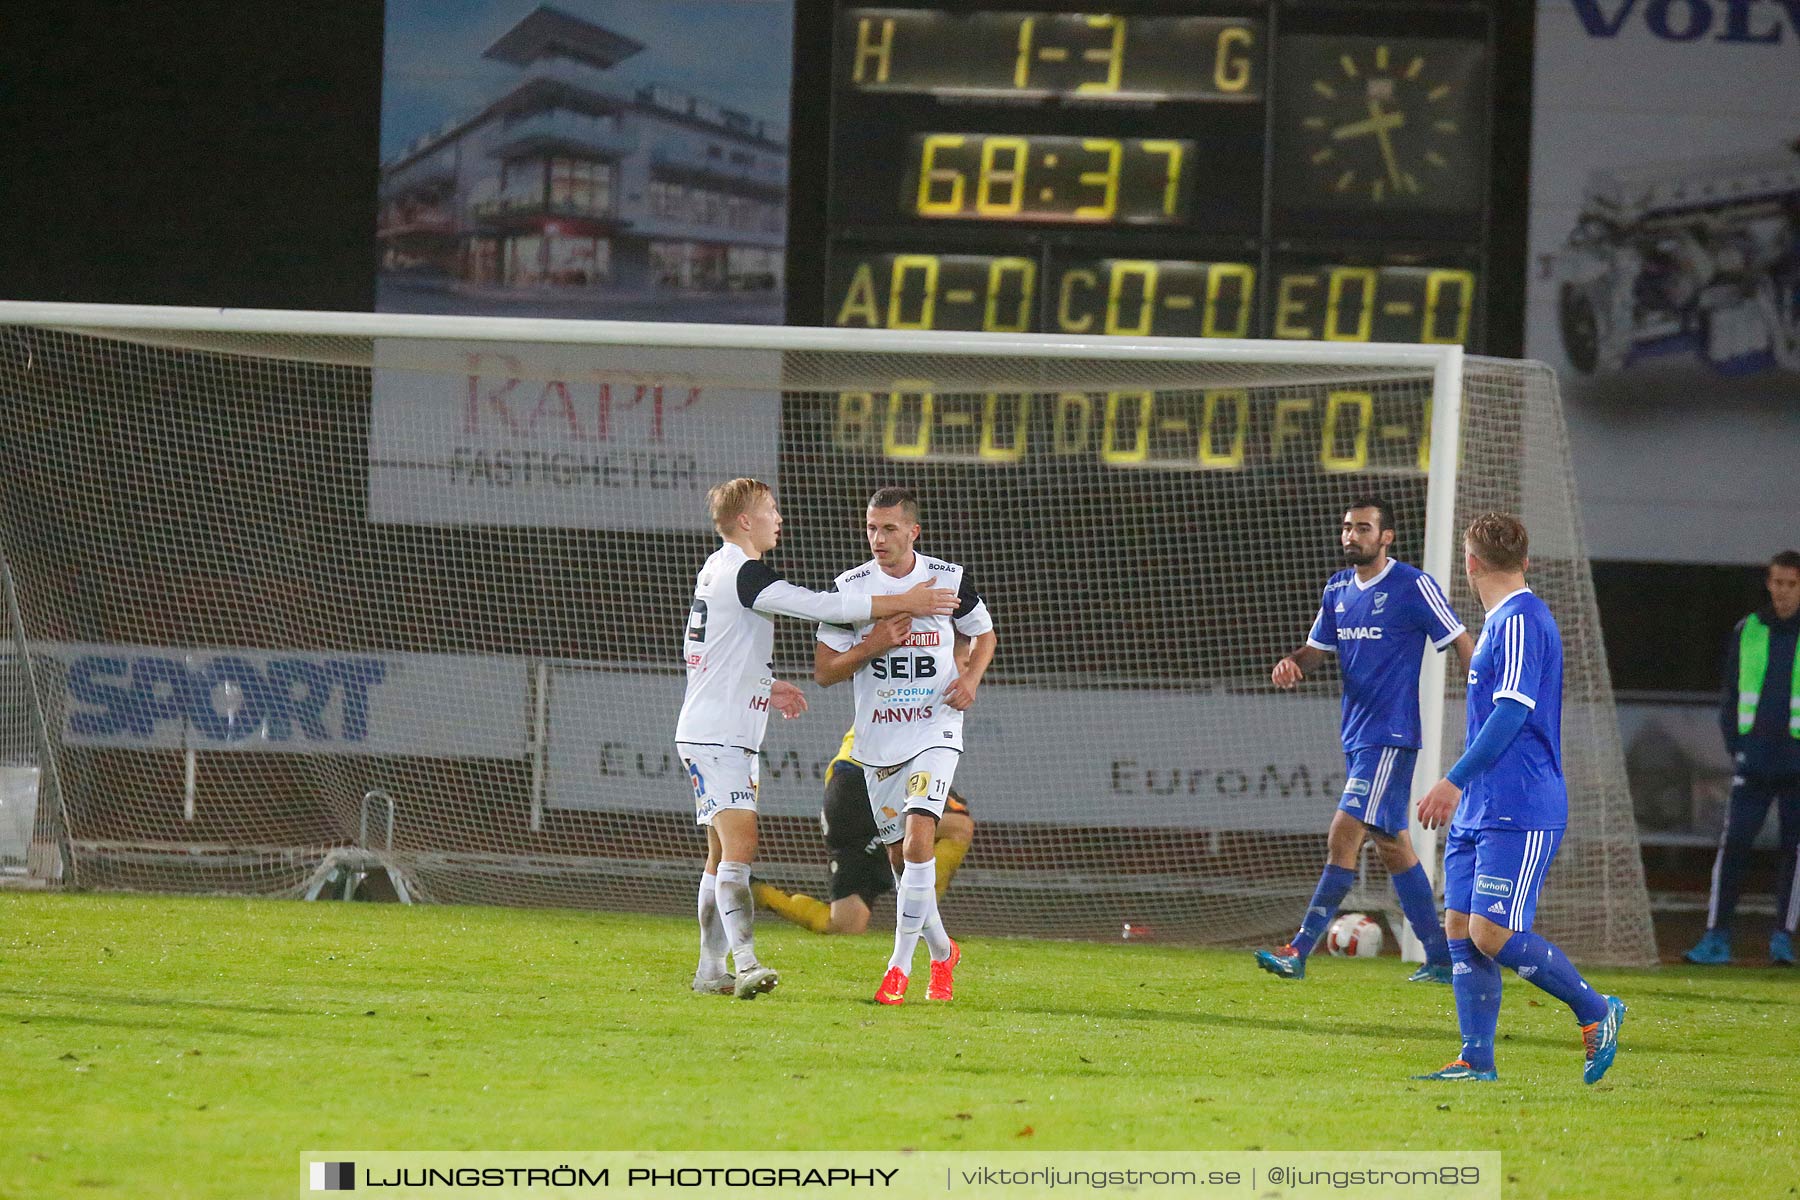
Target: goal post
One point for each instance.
(1442, 535)
(278, 563)
(33, 842)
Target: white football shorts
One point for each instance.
(723, 777)
(921, 784)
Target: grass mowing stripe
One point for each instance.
(192, 1047)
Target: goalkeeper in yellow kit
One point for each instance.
(860, 871)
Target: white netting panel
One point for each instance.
(30, 831)
(267, 576)
(1515, 458)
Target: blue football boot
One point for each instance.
(1286, 962)
(1601, 1040)
(1459, 1071)
(1713, 950)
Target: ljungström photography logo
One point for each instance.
(333, 1177)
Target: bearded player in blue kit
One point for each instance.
(1376, 616)
(1510, 806)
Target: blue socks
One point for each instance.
(1416, 901)
(1540, 962)
(1334, 885)
(1475, 980)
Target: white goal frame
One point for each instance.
(1443, 362)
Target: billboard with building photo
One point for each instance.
(619, 159)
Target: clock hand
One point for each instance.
(1379, 123)
(1387, 146)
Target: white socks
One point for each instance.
(915, 906)
(713, 943)
(937, 939)
(737, 912)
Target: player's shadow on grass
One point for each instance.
(1701, 996)
(105, 998)
(1427, 1034)
(184, 1027)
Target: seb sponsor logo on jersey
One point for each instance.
(906, 666)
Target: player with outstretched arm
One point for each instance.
(1507, 805)
(910, 698)
(1377, 616)
(728, 650)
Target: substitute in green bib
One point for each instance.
(1759, 715)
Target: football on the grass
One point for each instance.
(1355, 936)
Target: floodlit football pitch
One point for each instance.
(194, 1047)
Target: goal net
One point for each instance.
(308, 595)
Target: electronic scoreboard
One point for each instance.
(1271, 170)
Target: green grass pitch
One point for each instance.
(192, 1048)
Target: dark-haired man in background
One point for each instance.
(1759, 714)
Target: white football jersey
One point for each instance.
(730, 642)
(900, 707)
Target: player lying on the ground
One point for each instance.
(910, 696)
(1510, 806)
(1376, 616)
(728, 650)
(860, 870)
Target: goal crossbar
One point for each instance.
(100, 318)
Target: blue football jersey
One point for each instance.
(1378, 630)
(1518, 657)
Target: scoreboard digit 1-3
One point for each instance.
(1259, 170)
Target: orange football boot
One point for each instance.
(892, 989)
(941, 972)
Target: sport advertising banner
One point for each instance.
(622, 159)
(1665, 241)
(292, 702)
(608, 739)
(611, 747)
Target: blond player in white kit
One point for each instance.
(731, 686)
(910, 699)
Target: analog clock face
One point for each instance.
(1381, 123)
